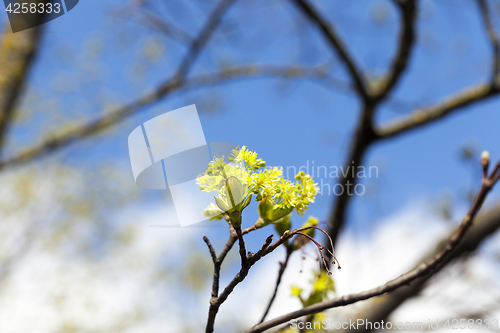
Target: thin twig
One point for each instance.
(210, 249)
(427, 115)
(267, 247)
(320, 248)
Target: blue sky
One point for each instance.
(291, 122)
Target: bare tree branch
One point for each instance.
(406, 41)
(485, 225)
(210, 249)
(424, 116)
(97, 125)
(427, 115)
(365, 134)
(17, 52)
(423, 269)
(492, 35)
(339, 47)
(121, 113)
(252, 258)
(114, 117)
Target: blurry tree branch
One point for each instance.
(95, 126)
(427, 115)
(329, 32)
(408, 15)
(450, 249)
(365, 134)
(485, 225)
(17, 52)
(201, 40)
(114, 117)
(492, 35)
(166, 27)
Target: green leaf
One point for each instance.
(221, 204)
(247, 202)
(236, 191)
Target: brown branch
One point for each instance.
(216, 302)
(365, 134)
(338, 46)
(427, 115)
(17, 52)
(419, 271)
(217, 260)
(485, 225)
(406, 41)
(114, 117)
(267, 247)
(210, 249)
(492, 35)
(241, 242)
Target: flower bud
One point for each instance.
(247, 202)
(265, 209)
(277, 214)
(485, 158)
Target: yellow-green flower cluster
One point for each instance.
(281, 195)
(249, 157)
